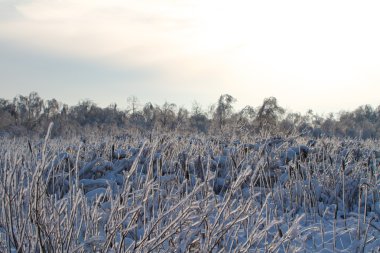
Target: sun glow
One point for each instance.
(294, 39)
(250, 49)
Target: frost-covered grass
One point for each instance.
(173, 193)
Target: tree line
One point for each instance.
(30, 115)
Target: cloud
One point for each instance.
(199, 49)
(8, 10)
(67, 79)
(145, 34)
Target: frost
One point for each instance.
(197, 194)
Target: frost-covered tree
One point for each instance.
(35, 106)
(51, 108)
(182, 118)
(269, 113)
(21, 106)
(198, 119)
(166, 115)
(133, 104)
(6, 111)
(223, 110)
(148, 113)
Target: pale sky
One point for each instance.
(320, 55)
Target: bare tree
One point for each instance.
(133, 104)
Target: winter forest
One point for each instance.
(30, 115)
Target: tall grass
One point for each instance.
(187, 194)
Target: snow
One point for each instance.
(192, 194)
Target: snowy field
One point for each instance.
(189, 194)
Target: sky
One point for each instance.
(319, 55)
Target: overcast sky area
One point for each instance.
(320, 55)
